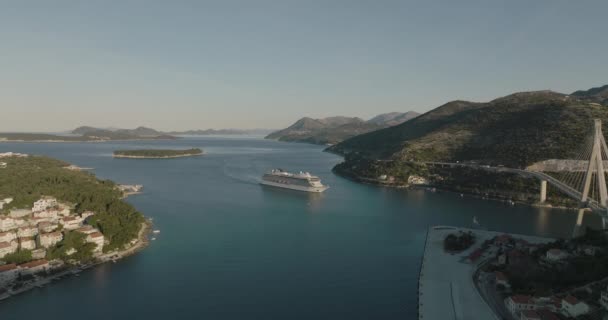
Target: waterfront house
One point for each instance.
(71, 223)
(20, 213)
(27, 243)
(8, 248)
(35, 266)
(572, 307)
(38, 253)
(8, 273)
(529, 315)
(554, 255)
(517, 303)
(413, 179)
(27, 231)
(7, 223)
(44, 203)
(7, 236)
(49, 239)
(87, 214)
(5, 201)
(98, 239)
(501, 279)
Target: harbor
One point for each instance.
(446, 287)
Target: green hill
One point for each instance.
(516, 130)
(336, 129)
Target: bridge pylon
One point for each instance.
(596, 165)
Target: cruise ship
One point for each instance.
(302, 181)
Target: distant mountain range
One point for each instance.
(516, 130)
(336, 129)
(148, 132)
(208, 132)
(121, 134)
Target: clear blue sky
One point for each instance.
(257, 63)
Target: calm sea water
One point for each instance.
(231, 249)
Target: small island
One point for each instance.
(157, 153)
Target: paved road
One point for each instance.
(566, 189)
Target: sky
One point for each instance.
(175, 65)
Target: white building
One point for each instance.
(46, 226)
(27, 243)
(87, 229)
(518, 303)
(8, 248)
(554, 255)
(571, 307)
(7, 223)
(87, 214)
(98, 239)
(37, 220)
(51, 214)
(8, 273)
(2, 166)
(71, 223)
(413, 179)
(8, 236)
(38, 253)
(49, 239)
(20, 222)
(501, 279)
(44, 203)
(5, 201)
(19, 213)
(34, 266)
(64, 210)
(28, 231)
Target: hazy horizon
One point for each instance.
(186, 65)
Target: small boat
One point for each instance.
(156, 231)
(153, 239)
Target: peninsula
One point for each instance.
(55, 221)
(157, 153)
(88, 134)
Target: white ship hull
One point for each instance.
(295, 187)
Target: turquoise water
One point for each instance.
(232, 249)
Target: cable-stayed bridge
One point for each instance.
(582, 177)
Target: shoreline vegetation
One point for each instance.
(476, 182)
(157, 153)
(54, 138)
(68, 211)
(41, 280)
